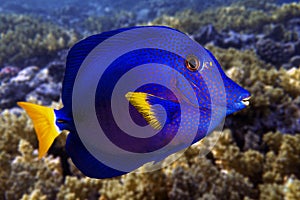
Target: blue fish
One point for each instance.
(134, 96)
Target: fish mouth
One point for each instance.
(246, 101)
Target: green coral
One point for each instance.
(188, 21)
(24, 37)
(286, 12)
(98, 24)
(240, 17)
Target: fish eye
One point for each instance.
(192, 63)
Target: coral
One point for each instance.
(239, 26)
(271, 191)
(291, 189)
(129, 187)
(282, 160)
(228, 174)
(75, 188)
(97, 24)
(286, 12)
(228, 157)
(244, 16)
(290, 81)
(22, 174)
(32, 83)
(187, 21)
(203, 179)
(34, 195)
(7, 72)
(276, 53)
(258, 5)
(27, 174)
(15, 126)
(257, 158)
(24, 38)
(274, 96)
(225, 173)
(224, 18)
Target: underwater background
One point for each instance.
(256, 42)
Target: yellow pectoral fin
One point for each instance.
(139, 101)
(44, 124)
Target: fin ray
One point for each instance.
(139, 101)
(144, 103)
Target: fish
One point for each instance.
(134, 96)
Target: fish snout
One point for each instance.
(239, 104)
(245, 99)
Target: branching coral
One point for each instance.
(79, 188)
(187, 21)
(274, 96)
(281, 169)
(128, 187)
(282, 160)
(13, 128)
(21, 171)
(238, 16)
(97, 24)
(27, 174)
(225, 173)
(24, 37)
(235, 174)
(255, 159)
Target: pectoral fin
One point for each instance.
(145, 104)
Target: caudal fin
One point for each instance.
(44, 124)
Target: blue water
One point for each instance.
(105, 7)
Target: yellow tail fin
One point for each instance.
(44, 124)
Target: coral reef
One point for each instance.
(256, 157)
(15, 125)
(97, 24)
(24, 38)
(43, 85)
(238, 17)
(79, 188)
(225, 173)
(274, 52)
(275, 95)
(32, 173)
(271, 29)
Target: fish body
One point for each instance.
(136, 95)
